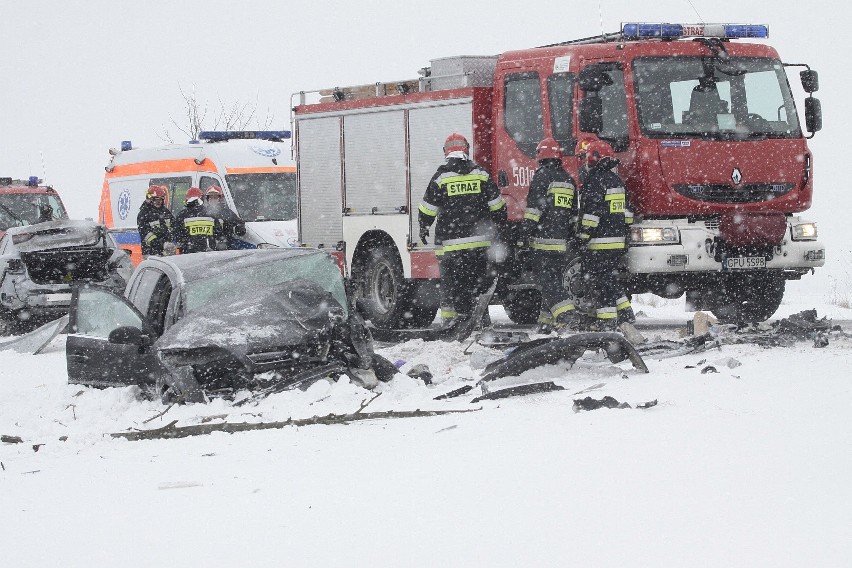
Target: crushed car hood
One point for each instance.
(59, 234)
(292, 313)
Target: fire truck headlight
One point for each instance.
(805, 232)
(654, 235)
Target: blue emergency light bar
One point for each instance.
(32, 181)
(675, 31)
(223, 135)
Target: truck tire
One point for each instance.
(749, 299)
(523, 305)
(390, 298)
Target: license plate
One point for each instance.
(58, 298)
(745, 262)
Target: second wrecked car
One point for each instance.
(199, 325)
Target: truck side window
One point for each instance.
(523, 115)
(560, 93)
(614, 99)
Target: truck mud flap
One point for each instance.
(457, 330)
(549, 351)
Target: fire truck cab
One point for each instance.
(253, 168)
(701, 117)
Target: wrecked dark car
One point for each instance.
(39, 263)
(212, 324)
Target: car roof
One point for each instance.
(55, 224)
(197, 266)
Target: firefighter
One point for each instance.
(604, 228)
(155, 223)
(227, 222)
(550, 225)
(194, 229)
(468, 211)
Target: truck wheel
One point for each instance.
(384, 288)
(522, 306)
(750, 300)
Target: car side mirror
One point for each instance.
(129, 335)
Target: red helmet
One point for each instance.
(456, 142)
(156, 192)
(193, 193)
(594, 149)
(548, 149)
(214, 189)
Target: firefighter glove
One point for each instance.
(424, 232)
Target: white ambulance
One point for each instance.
(254, 168)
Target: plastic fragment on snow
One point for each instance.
(709, 369)
(590, 403)
(728, 362)
(521, 390)
(454, 393)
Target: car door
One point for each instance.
(92, 359)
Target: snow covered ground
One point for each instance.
(749, 466)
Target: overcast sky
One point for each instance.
(79, 77)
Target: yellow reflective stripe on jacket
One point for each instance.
(496, 204)
(538, 243)
(427, 210)
(532, 215)
(606, 313)
(466, 246)
(562, 307)
(448, 313)
(590, 220)
(622, 303)
(628, 217)
(605, 246)
(149, 238)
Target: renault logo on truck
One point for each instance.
(736, 176)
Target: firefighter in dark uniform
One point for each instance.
(550, 225)
(470, 212)
(604, 230)
(155, 223)
(228, 223)
(193, 229)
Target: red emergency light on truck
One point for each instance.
(705, 127)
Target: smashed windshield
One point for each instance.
(740, 97)
(264, 197)
(255, 279)
(21, 209)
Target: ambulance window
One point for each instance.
(206, 182)
(523, 113)
(560, 93)
(177, 187)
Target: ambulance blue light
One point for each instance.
(632, 31)
(126, 145)
(222, 135)
(32, 181)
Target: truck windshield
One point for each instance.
(737, 98)
(20, 209)
(264, 197)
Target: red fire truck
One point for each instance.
(701, 117)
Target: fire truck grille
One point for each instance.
(722, 193)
